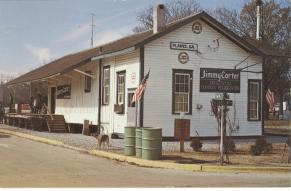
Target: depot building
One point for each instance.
(190, 62)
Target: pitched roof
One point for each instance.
(75, 60)
(135, 41)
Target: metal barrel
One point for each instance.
(138, 141)
(151, 143)
(129, 141)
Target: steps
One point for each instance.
(56, 123)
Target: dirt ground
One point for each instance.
(277, 157)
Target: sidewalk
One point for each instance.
(88, 145)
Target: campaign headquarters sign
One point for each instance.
(219, 80)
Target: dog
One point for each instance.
(102, 139)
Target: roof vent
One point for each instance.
(159, 20)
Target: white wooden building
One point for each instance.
(97, 84)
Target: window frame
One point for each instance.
(117, 75)
(88, 79)
(259, 112)
(129, 98)
(190, 73)
(103, 85)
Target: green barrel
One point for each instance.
(129, 141)
(138, 142)
(151, 143)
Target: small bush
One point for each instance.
(229, 145)
(261, 142)
(255, 151)
(288, 141)
(268, 148)
(261, 146)
(196, 144)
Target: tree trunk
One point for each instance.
(281, 103)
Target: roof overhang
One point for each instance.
(116, 53)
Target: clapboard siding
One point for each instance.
(161, 60)
(82, 105)
(130, 64)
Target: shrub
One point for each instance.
(229, 145)
(196, 144)
(288, 141)
(255, 151)
(261, 146)
(268, 148)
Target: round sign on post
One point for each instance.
(197, 28)
(183, 57)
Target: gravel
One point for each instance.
(89, 142)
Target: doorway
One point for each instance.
(53, 100)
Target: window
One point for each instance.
(106, 85)
(88, 82)
(254, 100)
(130, 96)
(182, 91)
(120, 88)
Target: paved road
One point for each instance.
(26, 163)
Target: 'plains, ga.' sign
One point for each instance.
(219, 80)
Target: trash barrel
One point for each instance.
(129, 141)
(151, 143)
(138, 142)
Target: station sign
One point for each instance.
(219, 80)
(64, 92)
(184, 46)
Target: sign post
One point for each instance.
(182, 131)
(221, 134)
(222, 105)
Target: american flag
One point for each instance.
(139, 90)
(271, 100)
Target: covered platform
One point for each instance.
(39, 122)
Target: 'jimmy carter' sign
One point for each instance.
(64, 92)
(219, 80)
(184, 46)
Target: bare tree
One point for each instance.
(275, 26)
(176, 9)
(276, 30)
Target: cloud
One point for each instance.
(111, 35)
(43, 55)
(107, 36)
(78, 33)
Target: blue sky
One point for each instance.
(35, 32)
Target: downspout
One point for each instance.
(141, 76)
(99, 90)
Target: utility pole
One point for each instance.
(92, 29)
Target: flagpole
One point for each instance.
(136, 112)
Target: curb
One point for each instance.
(154, 164)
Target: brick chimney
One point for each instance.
(159, 20)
